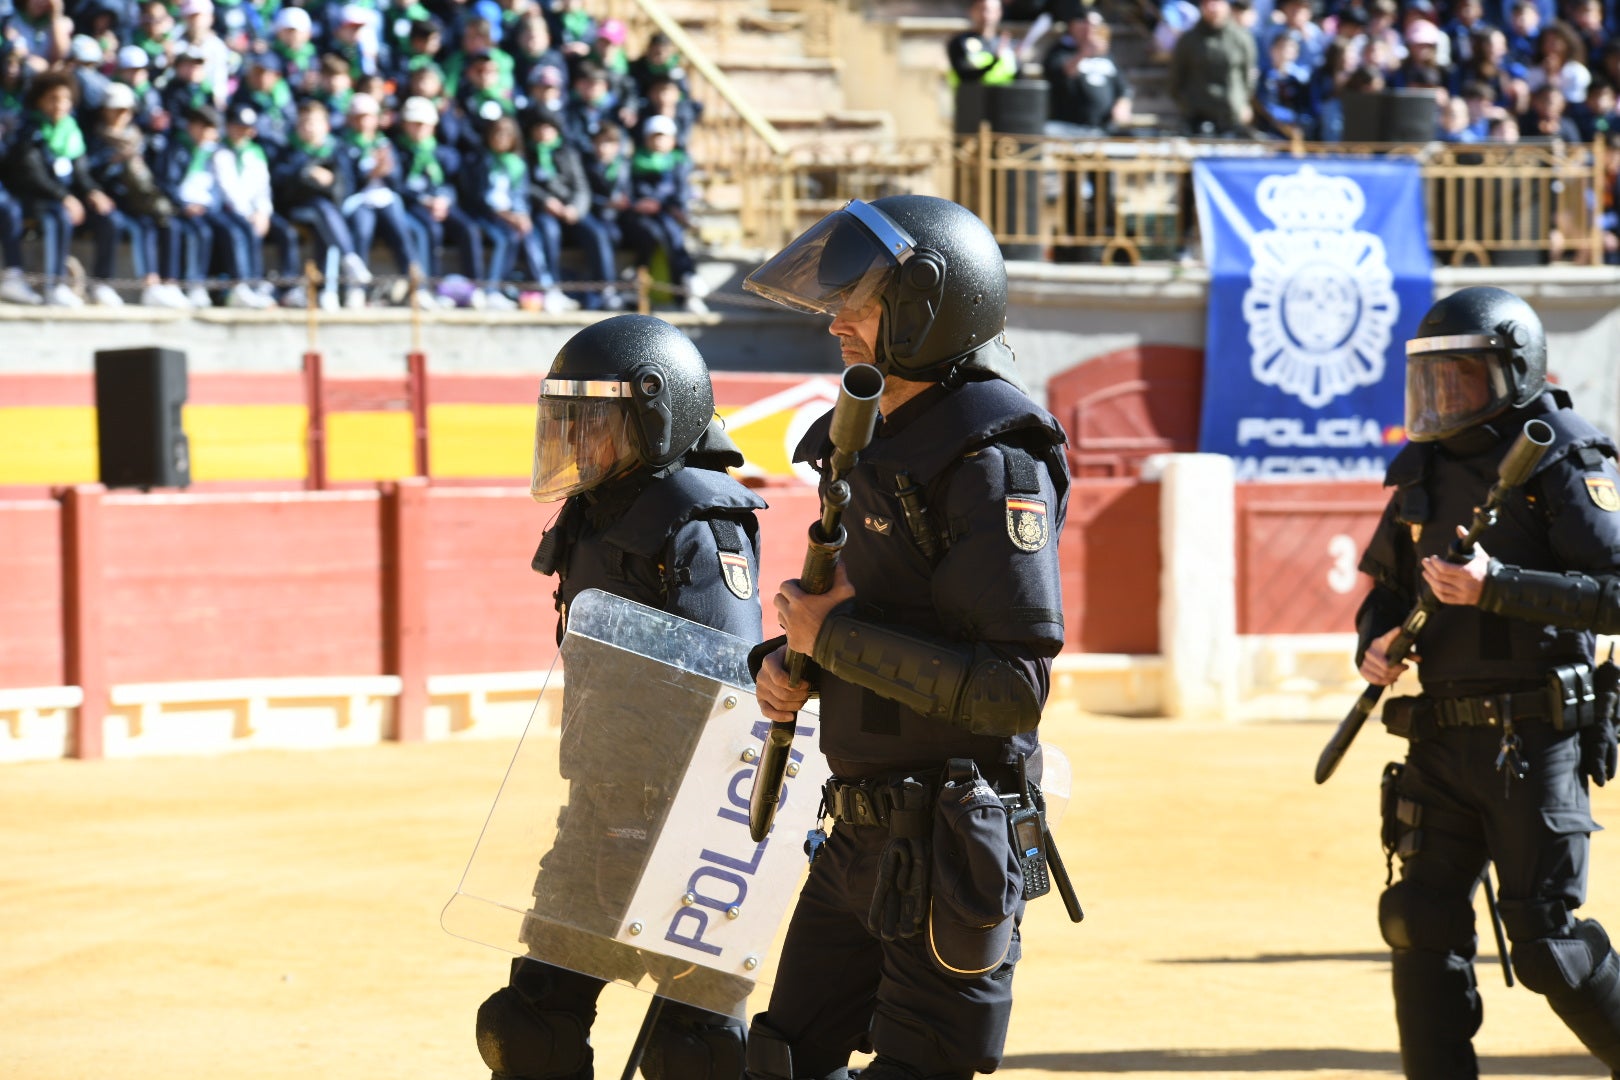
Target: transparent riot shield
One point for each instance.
(618, 845)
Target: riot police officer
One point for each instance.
(1511, 722)
(627, 436)
(932, 655)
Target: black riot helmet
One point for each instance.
(625, 392)
(932, 265)
(1478, 353)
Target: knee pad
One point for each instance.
(694, 1045)
(1560, 966)
(884, 1068)
(518, 1040)
(1413, 917)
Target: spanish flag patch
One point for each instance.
(1602, 491)
(1026, 523)
(734, 571)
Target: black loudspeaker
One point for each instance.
(1019, 108)
(139, 393)
(1402, 116)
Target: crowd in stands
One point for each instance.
(1498, 70)
(221, 143)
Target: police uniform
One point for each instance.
(944, 655)
(677, 533)
(1508, 727)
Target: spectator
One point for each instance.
(1299, 19)
(92, 84)
(590, 105)
(300, 61)
(186, 175)
(1547, 117)
(1523, 31)
(1282, 101)
(1491, 66)
(1423, 11)
(1608, 64)
(187, 88)
(43, 30)
(477, 42)
(375, 207)
(13, 89)
(355, 38)
(573, 30)
(664, 98)
(141, 212)
(422, 45)
(198, 36)
(1384, 45)
(51, 177)
(427, 172)
(453, 129)
(310, 180)
(1088, 91)
(531, 49)
(495, 191)
(245, 207)
(1213, 73)
(1176, 17)
(14, 287)
(1456, 126)
(1327, 83)
(334, 87)
(608, 174)
(1482, 107)
(1596, 118)
(156, 36)
(265, 92)
(660, 59)
(481, 101)
(1468, 19)
(611, 57)
(561, 197)
(134, 71)
(658, 218)
(1608, 202)
(1421, 65)
(984, 52)
(1561, 62)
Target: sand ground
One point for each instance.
(275, 915)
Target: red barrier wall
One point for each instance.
(31, 593)
(1297, 549)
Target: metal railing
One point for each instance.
(1130, 200)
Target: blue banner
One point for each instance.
(1319, 273)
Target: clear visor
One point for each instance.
(842, 261)
(578, 443)
(1447, 392)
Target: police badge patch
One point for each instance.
(1602, 491)
(1026, 523)
(734, 571)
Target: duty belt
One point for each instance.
(858, 802)
(1490, 710)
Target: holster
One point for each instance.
(1410, 718)
(1572, 697)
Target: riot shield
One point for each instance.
(618, 845)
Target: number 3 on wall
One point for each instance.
(1341, 577)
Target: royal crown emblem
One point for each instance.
(1321, 301)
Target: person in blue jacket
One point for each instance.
(657, 220)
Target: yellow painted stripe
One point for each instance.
(246, 442)
(369, 446)
(481, 440)
(48, 445)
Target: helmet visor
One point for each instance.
(1448, 392)
(578, 443)
(842, 261)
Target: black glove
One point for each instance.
(1600, 749)
(900, 901)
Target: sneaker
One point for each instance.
(354, 297)
(14, 288)
(696, 285)
(243, 295)
(355, 270)
(556, 300)
(694, 305)
(478, 299)
(198, 297)
(612, 300)
(295, 297)
(328, 300)
(497, 301)
(104, 295)
(59, 295)
(267, 290)
(164, 295)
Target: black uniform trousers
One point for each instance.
(1536, 832)
(840, 988)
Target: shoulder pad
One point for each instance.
(974, 415)
(1572, 434)
(671, 502)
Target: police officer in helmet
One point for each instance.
(931, 654)
(627, 437)
(1513, 720)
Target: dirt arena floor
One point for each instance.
(276, 915)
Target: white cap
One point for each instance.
(293, 18)
(364, 105)
(133, 56)
(419, 110)
(659, 124)
(119, 96)
(196, 7)
(85, 49)
(358, 14)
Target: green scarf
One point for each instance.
(300, 59)
(200, 156)
(63, 137)
(646, 161)
(513, 167)
(355, 139)
(424, 160)
(611, 169)
(248, 150)
(322, 150)
(578, 25)
(279, 97)
(543, 158)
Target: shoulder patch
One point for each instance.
(734, 572)
(1602, 492)
(1026, 523)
